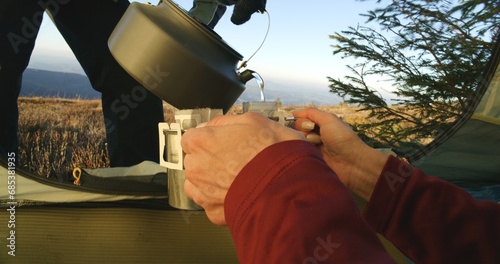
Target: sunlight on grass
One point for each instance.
(59, 134)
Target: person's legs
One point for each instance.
(131, 113)
(19, 24)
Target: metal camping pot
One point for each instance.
(178, 58)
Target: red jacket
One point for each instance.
(289, 207)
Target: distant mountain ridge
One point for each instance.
(289, 94)
(44, 83)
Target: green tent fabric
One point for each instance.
(94, 233)
(468, 153)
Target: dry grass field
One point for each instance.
(59, 134)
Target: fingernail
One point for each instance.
(201, 124)
(307, 125)
(313, 138)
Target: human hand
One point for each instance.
(217, 152)
(244, 9)
(356, 164)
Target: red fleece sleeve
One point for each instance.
(288, 206)
(433, 221)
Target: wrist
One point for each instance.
(367, 172)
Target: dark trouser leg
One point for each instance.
(131, 113)
(19, 24)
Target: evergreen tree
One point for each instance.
(430, 51)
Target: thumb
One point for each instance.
(316, 116)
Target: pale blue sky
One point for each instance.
(297, 48)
